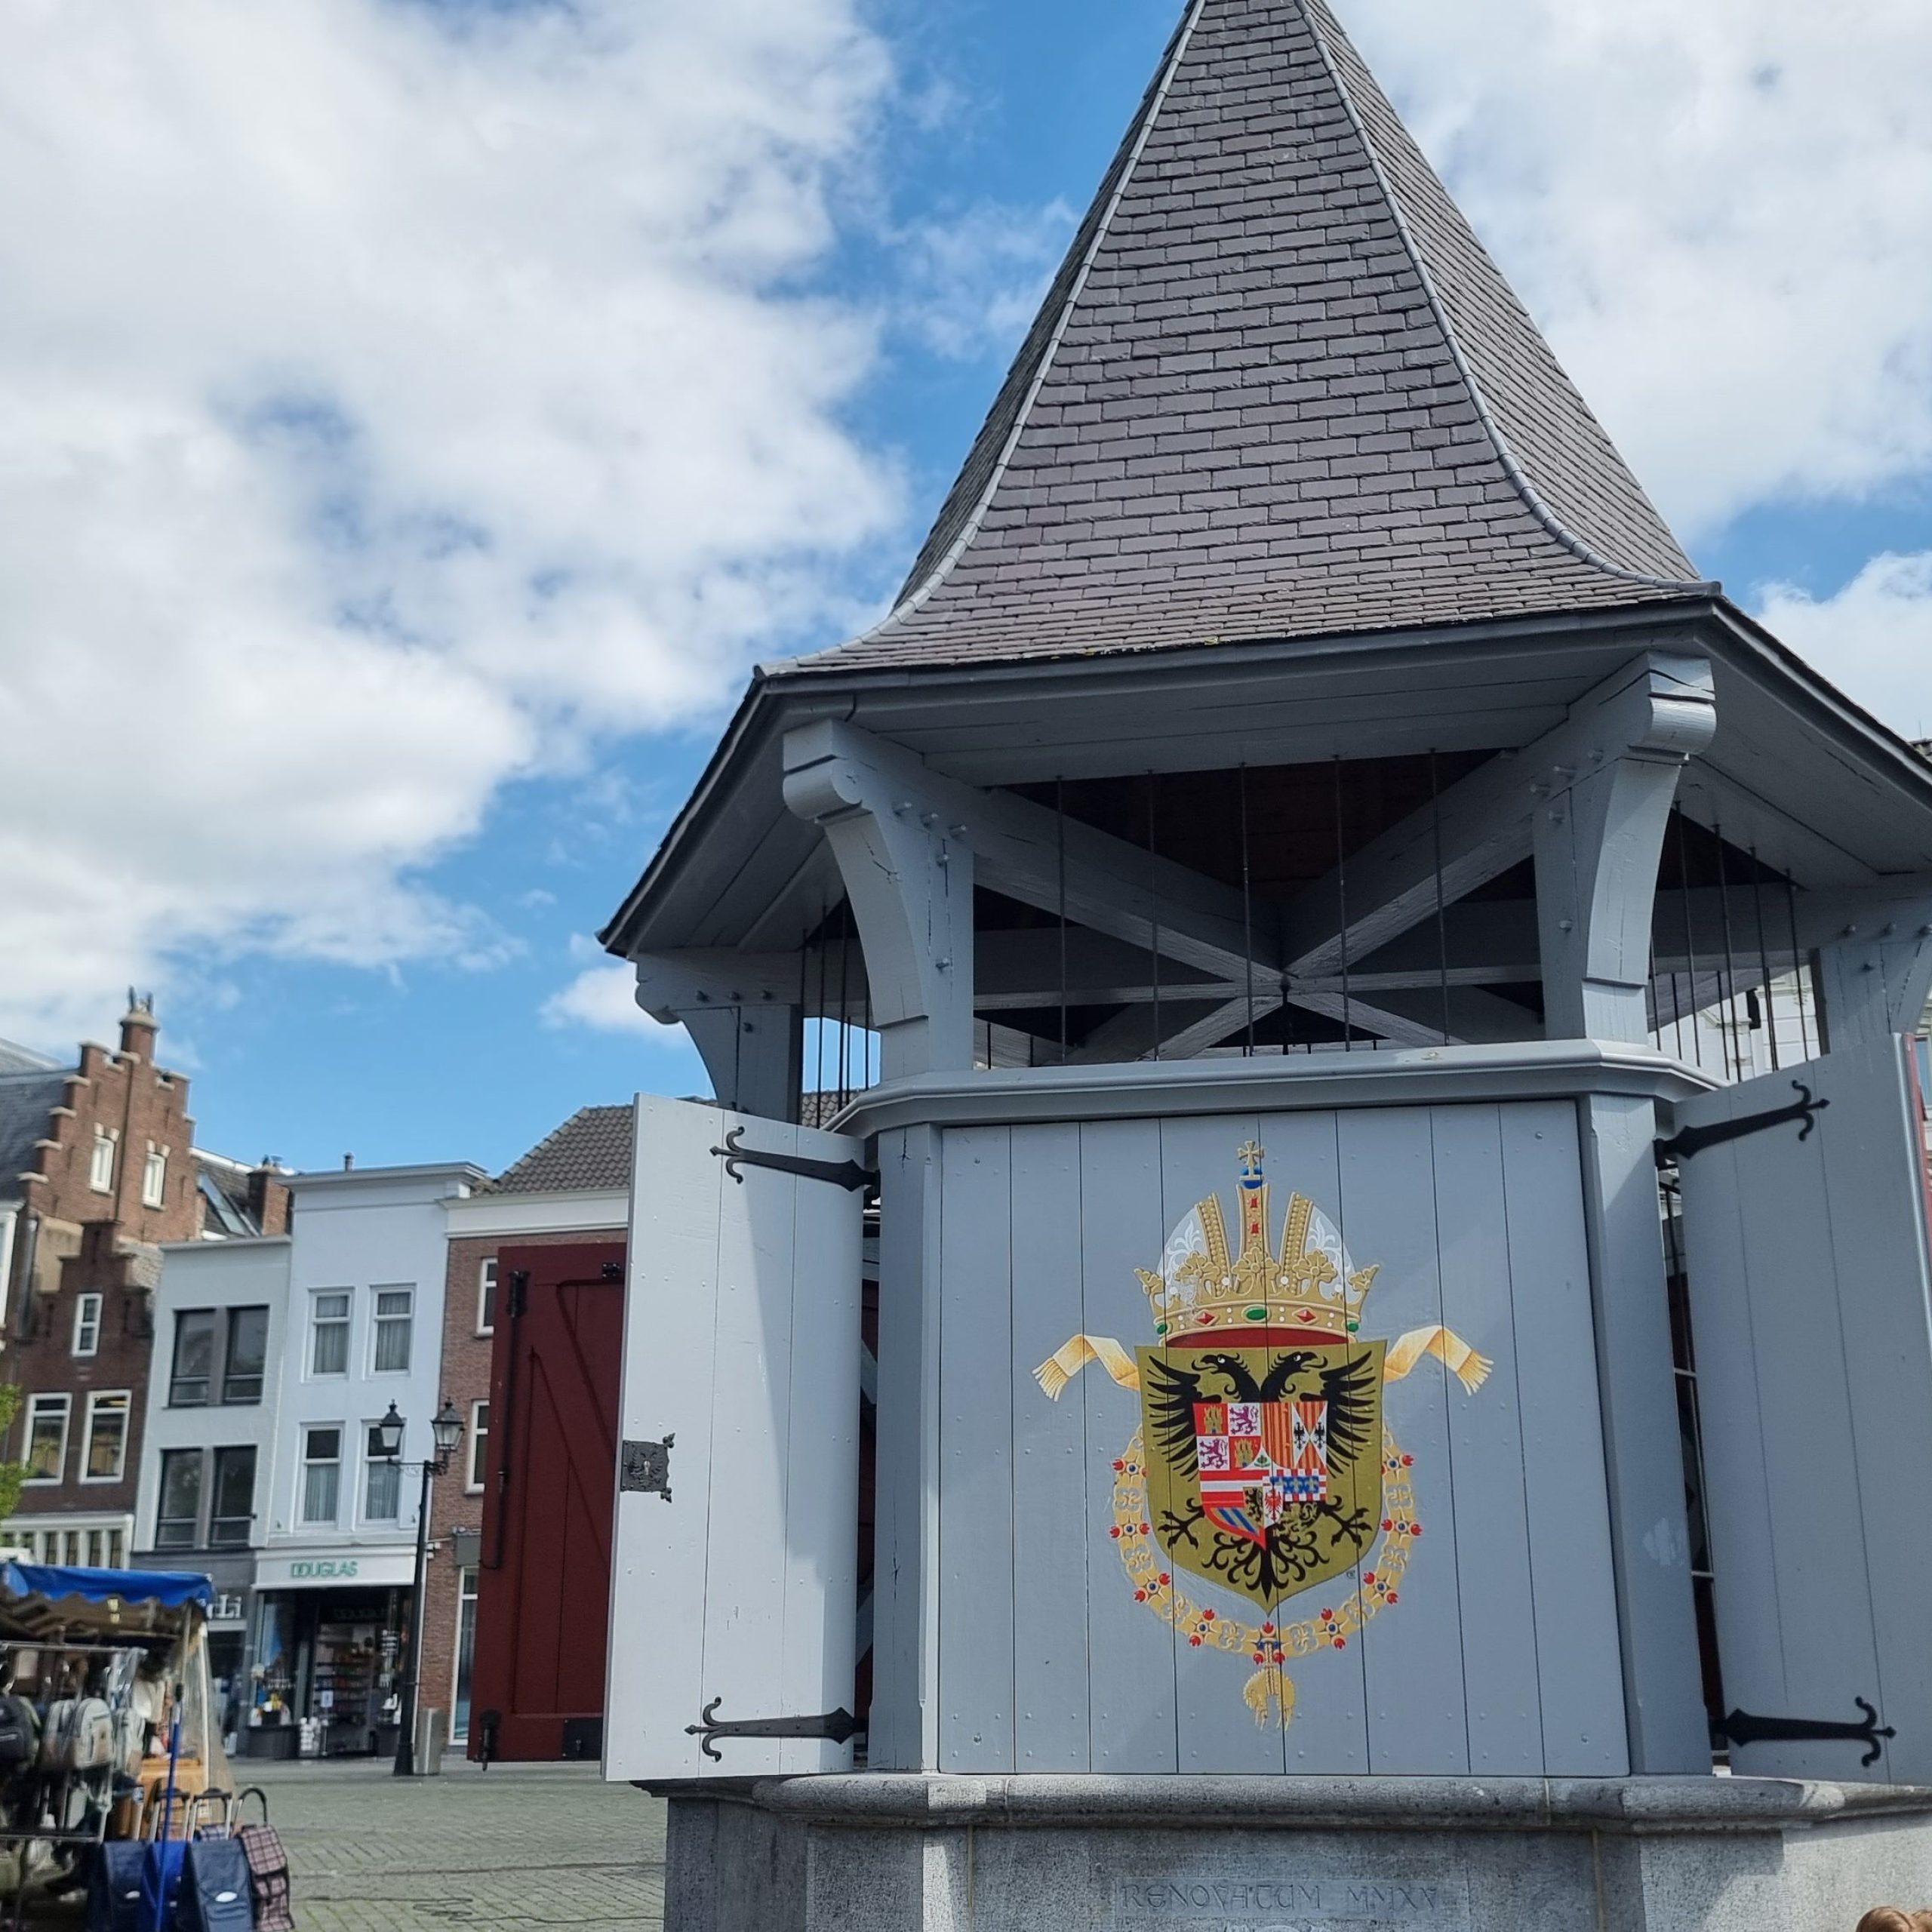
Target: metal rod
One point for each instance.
(1764, 954)
(1690, 944)
(1342, 902)
(1801, 967)
(844, 1006)
(805, 1000)
(1729, 959)
(1154, 899)
(1246, 919)
(1441, 912)
(825, 913)
(1059, 826)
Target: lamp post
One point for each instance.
(446, 1432)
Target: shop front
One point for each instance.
(330, 1628)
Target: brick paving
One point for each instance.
(516, 1846)
(536, 1845)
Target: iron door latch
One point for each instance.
(1695, 1139)
(1741, 1727)
(837, 1726)
(646, 1469)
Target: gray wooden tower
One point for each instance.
(1401, 1255)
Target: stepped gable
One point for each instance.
(1277, 390)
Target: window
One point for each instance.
(381, 1487)
(105, 1457)
(465, 1651)
(113, 1549)
(321, 1474)
(73, 1557)
(154, 1176)
(194, 1358)
(86, 1325)
(100, 1168)
(177, 1520)
(47, 1438)
(479, 1438)
(328, 1348)
(233, 1513)
(247, 1356)
(393, 1319)
(486, 1291)
(96, 1548)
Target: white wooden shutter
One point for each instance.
(1812, 1323)
(741, 1350)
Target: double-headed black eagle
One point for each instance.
(1348, 1386)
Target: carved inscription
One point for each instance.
(1289, 1902)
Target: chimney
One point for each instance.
(347, 1162)
(268, 1198)
(137, 1026)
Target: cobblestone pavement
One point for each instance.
(513, 1847)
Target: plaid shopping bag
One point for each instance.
(268, 1871)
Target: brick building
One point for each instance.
(573, 1186)
(97, 1168)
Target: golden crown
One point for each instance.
(1308, 1288)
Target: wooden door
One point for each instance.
(543, 1587)
(734, 1594)
(1805, 1251)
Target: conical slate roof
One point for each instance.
(1277, 390)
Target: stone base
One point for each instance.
(889, 1852)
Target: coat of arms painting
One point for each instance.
(1263, 1466)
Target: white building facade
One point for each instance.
(208, 1461)
(335, 1565)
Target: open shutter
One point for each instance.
(1806, 1260)
(742, 1352)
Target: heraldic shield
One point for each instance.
(1264, 1456)
(1263, 1466)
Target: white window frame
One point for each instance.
(476, 1478)
(370, 1462)
(303, 1520)
(96, 1398)
(51, 1400)
(154, 1177)
(467, 1595)
(87, 1323)
(486, 1284)
(101, 1162)
(309, 1371)
(378, 1322)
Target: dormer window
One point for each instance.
(100, 1170)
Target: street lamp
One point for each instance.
(445, 1433)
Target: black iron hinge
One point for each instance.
(1695, 1139)
(840, 1174)
(1741, 1727)
(837, 1726)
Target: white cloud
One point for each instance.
(1873, 639)
(605, 997)
(1719, 211)
(974, 281)
(389, 397)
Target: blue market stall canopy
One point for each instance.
(171, 1589)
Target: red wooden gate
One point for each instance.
(543, 1604)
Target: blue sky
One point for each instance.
(452, 402)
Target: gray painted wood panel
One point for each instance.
(1412, 1651)
(1130, 1651)
(976, 1606)
(1501, 1653)
(1578, 1659)
(1808, 1276)
(1502, 1703)
(1052, 1470)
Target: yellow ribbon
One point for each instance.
(1448, 1348)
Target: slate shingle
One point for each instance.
(1277, 389)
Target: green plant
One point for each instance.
(12, 1475)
